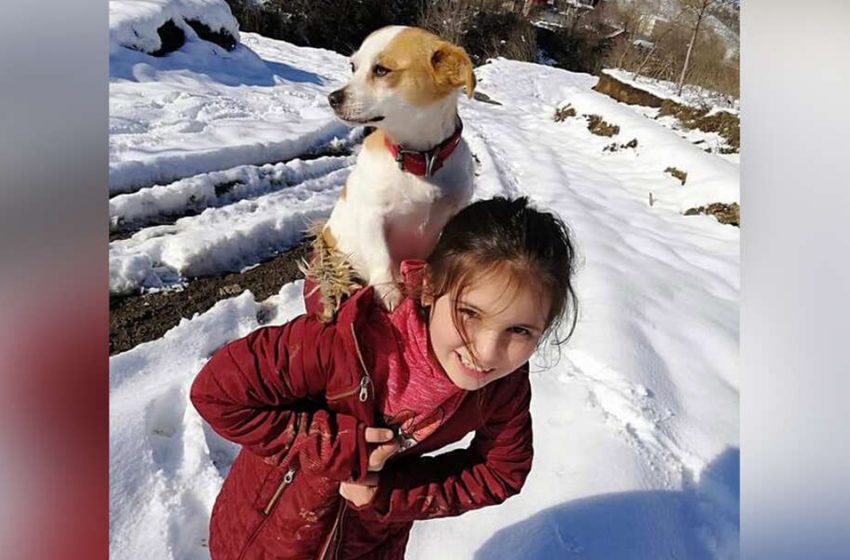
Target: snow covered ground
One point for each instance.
(636, 427)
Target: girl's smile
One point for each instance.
(503, 321)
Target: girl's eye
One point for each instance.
(520, 331)
(381, 71)
(468, 313)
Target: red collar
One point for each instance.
(425, 163)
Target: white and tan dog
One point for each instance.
(414, 171)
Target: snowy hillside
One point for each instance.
(219, 158)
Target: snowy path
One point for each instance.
(636, 427)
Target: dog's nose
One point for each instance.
(336, 98)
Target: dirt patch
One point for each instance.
(597, 125)
(626, 93)
(724, 123)
(142, 318)
(725, 213)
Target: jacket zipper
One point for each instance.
(339, 531)
(362, 389)
(287, 478)
(332, 535)
(366, 380)
(334, 540)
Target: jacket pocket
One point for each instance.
(267, 504)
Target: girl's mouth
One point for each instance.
(470, 369)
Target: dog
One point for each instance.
(414, 171)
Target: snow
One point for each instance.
(636, 426)
(203, 108)
(133, 23)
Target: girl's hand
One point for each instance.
(362, 493)
(386, 448)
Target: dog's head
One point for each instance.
(399, 68)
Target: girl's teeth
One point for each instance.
(469, 365)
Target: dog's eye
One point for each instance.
(353, 69)
(381, 71)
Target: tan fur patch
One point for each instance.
(375, 141)
(343, 192)
(328, 237)
(424, 68)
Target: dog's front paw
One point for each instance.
(389, 294)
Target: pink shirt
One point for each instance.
(418, 396)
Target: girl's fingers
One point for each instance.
(378, 435)
(380, 455)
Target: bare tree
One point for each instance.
(700, 9)
(628, 17)
(658, 41)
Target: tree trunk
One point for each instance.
(700, 15)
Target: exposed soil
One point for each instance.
(599, 126)
(726, 124)
(626, 93)
(141, 318)
(725, 213)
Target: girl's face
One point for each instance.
(503, 325)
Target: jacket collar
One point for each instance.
(425, 163)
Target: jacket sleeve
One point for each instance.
(493, 468)
(256, 392)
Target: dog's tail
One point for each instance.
(327, 273)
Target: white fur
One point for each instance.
(389, 215)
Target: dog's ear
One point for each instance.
(453, 67)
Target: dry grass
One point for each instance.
(677, 173)
(597, 125)
(725, 213)
(563, 113)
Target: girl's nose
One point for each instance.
(488, 348)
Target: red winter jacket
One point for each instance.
(298, 398)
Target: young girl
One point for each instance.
(334, 417)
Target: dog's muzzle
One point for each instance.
(336, 99)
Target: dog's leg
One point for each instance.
(379, 265)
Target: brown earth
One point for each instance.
(141, 318)
(725, 213)
(599, 126)
(626, 93)
(726, 124)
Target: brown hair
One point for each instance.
(507, 235)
